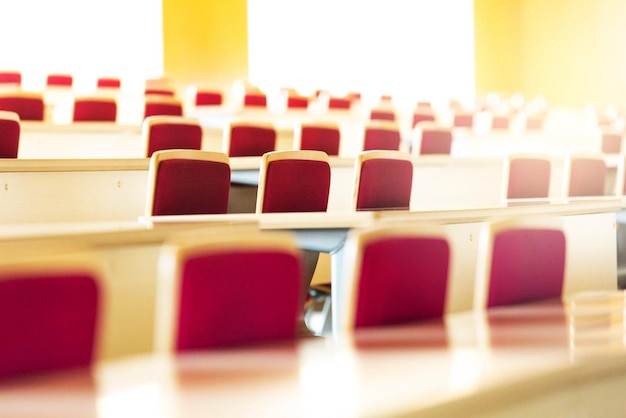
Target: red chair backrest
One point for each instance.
(208, 98)
(528, 178)
(377, 114)
(402, 279)
(246, 141)
(238, 296)
(385, 184)
(320, 138)
(163, 108)
(527, 265)
(611, 143)
(61, 80)
(10, 77)
(436, 141)
(296, 186)
(339, 103)
(174, 136)
(297, 102)
(187, 187)
(9, 138)
(114, 83)
(27, 107)
(381, 139)
(587, 177)
(255, 100)
(425, 116)
(47, 322)
(94, 110)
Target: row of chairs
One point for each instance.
(217, 288)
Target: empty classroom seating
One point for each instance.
(59, 80)
(164, 105)
(29, 106)
(526, 176)
(13, 78)
(585, 175)
(246, 139)
(431, 138)
(187, 182)
(381, 136)
(94, 109)
(109, 83)
(320, 136)
(229, 287)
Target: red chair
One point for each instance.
(297, 102)
(423, 114)
(218, 288)
(162, 106)
(585, 175)
(520, 261)
(11, 77)
(383, 181)
(381, 136)
(394, 275)
(94, 109)
(500, 122)
(255, 99)
(164, 132)
(49, 313)
(383, 114)
(187, 182)
(318, 137)
(247, 139)
(9, 134)
(463, 119)
(29, 106)
(293, 181)
(59, 80)
(430, 138)
(339, 103)
(208, 98)
(526, 176)
(159, 91)
(109, 83)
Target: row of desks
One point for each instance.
(546, 359)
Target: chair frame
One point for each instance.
(270, 157)
(345, 290)
(159, 156)
(485, 250)
(211, 240)
(151, 121)
(364, 156)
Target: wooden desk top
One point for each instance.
(548, 358)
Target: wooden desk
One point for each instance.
(544, 359)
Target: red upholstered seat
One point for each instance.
(221, 286)
(424, 114)
(429, 138)
(48, 316)
(520, 261)
(381, 137)
(293, 181)
(318, 136)
(383, 181)
(94, 109)
(395, 275)
(208, 98)
(110, 83)
(29, 106)
(500, 122)
(187, 182)
(255, 99)
(463, 119)
(341, 103)
(585, 175)
(297, 102)
(9, 134)
(165, 106)
(526, 176)
(11, 77)
(59, 80)
(163, 132)
(383, 114)
(243, 139)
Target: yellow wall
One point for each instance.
(571, 51)
(205, 40)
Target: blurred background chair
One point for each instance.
(381, 136)
(584, 175)
(247, 139)
(339, 103)
(221, 288)
(392, 275)
(385, 114)
(611, 142)
(29, 106)
(255, 98)
(293, 181)
(163, 132)
(109, 83)
(520, 261)
(188, 182)
(208, 97)
(318, 136)
(463, 119)
(9, 134)
(383, 181)
(431, 138)
(423, 114)
(59, 80)
(296, 101)
(11, 78)
(50, 312)
(163, 105)
(94, 109)
(526, 176)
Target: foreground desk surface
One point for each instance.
(545, 359)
